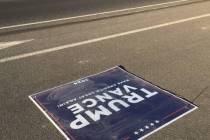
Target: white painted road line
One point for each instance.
(5, 45)
(45, 51)
(90, 15)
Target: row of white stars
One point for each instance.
(146, 127)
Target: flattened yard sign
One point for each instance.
(111, 105)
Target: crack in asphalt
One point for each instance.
(201, 93)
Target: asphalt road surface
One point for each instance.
(168, 47)
(24, 11)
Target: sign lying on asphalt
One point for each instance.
(111, 105)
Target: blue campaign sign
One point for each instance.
(111, 105)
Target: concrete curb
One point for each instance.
(91, 17)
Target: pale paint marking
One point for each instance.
(204, 28)
(90, 15)
(45, 51)
(83, 61)
(5, 45)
